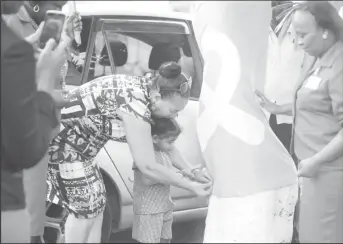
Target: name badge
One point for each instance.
(313, 82)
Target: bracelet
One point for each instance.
(187, 175)
(195, 171)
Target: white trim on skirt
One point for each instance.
(262, 217)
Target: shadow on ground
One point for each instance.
(188, 232)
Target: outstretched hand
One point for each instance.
(266, 103)
(202, 176)
(202, 189)
(72, 24)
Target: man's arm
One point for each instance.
(28, 116)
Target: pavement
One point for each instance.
(188, 232)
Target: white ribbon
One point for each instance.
(218, 111)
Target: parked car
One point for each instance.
(130, 41)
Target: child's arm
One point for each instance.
(193, 173)
(178, 161)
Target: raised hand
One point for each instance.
(266, 103)
(202, 176)
(73, 23)
(49, 63)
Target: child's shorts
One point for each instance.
(151, 228)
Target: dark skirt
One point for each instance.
(321, 208)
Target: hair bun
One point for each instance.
(170, 70)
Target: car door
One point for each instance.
(187, 143)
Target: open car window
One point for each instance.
(134, 47)
(130, 55)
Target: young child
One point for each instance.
(152, 203)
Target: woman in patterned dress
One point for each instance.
(117, 107)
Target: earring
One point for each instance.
(325, 35)
(36, 8)
(153, 106)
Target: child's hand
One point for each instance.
(187, 173)
(201, 175)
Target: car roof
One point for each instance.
(155, 9)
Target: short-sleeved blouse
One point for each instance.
(92, 116)
(318, 106)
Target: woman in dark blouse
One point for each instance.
(317, 110)
(27, 118)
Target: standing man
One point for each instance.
(28, 116)
(25, 23)
(254, 178)
(285, 59)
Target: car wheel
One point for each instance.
(106, 229)
(112, 211)
(54, 223)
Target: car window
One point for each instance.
(136, 62)
(77, 59)
(132, 47)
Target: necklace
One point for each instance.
(34, 24)
(64, 67)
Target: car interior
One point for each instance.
(136, 49)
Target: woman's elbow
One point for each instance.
(146, 169)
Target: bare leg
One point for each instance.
(77, 230)
(95, 231)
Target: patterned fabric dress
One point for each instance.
(88, 122)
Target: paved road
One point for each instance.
(189, 232)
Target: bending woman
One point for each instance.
(317, 110)
(116, 107)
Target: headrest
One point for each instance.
(119, 53)
(163, 52)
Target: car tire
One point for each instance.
(112, 211)
(54, 223)
(106, 229)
